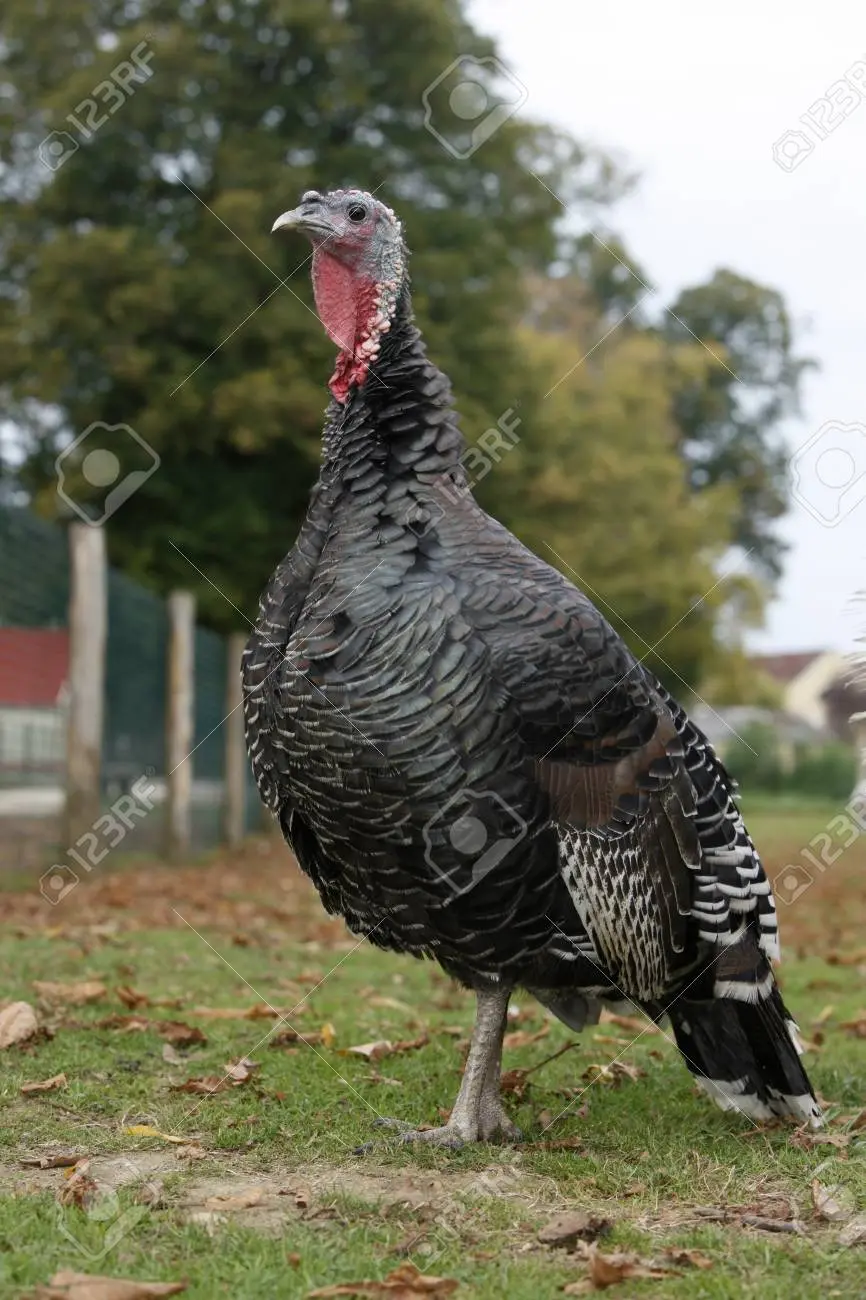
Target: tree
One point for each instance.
(730, 419)
(596, 488)
(141, 287)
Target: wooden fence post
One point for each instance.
(180, 720)
(858, 728)
(88, 617)
(234, 806)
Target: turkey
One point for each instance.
(465, 757)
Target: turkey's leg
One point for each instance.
(478, 1112)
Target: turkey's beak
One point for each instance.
(308, 218)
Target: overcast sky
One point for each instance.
(694, 98)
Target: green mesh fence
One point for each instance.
(34, 655)
(34, 651)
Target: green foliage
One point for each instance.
(760, 763)
(729, 419)
(140, 287)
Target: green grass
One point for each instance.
(649, 1151)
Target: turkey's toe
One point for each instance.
(494, 1124)
(446, 1135)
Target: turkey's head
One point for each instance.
(359, 267)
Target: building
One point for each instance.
(34, 667)
(805, 679)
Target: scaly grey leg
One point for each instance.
(478, 1113)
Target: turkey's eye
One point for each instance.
(357, 212)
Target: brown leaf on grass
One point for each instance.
(132, 998)
(613, 1073)
(856, 1027)
(17, 1023)
(687, 1258)
(829, 1202)
(390, 1004)
(632, 1023)
(384, 1047)
(207, 1085)
(70, 995)
(68, 1285)
(80, 1189)
(572, 1225)
(243, 1202)
(807, 1140)
(854, 1233)
(173, 1031)
(258, 1011)
(45, 1085)
(523, 1038)
(514, 1083)
(242, 1070)
(61, 1160)
(309, 1038)
(405, 1283)
(118, 1021)
(608, 1270)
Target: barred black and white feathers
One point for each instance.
(470, 764)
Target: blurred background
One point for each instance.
(639, 272)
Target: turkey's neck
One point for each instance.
(401, 419)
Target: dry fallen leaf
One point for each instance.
(207, 1085)
(45, 1085)
(309, 1038)
(830, 1202)
(855, 1027)
(68, 1285)
(173, 1031)
(523, 1038)
(390, 1004)
(566, 1228)
(240, 1071)
(258, 1011)
(607, 1270)
(384, 1047)
(177, 1033)
(61, 1160)
(132, 998)
(634, 1023)
(80, 1189)
(405, 1283)
(613, 1073)
(243, 1202)
(171, 1055)
(687, 1258)
(70, 995)
(17, 1023)
(147, 1130)
(854, 1233)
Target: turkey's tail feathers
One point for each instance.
(745, 1053)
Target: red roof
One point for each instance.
(34, 663)
(784, 668)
